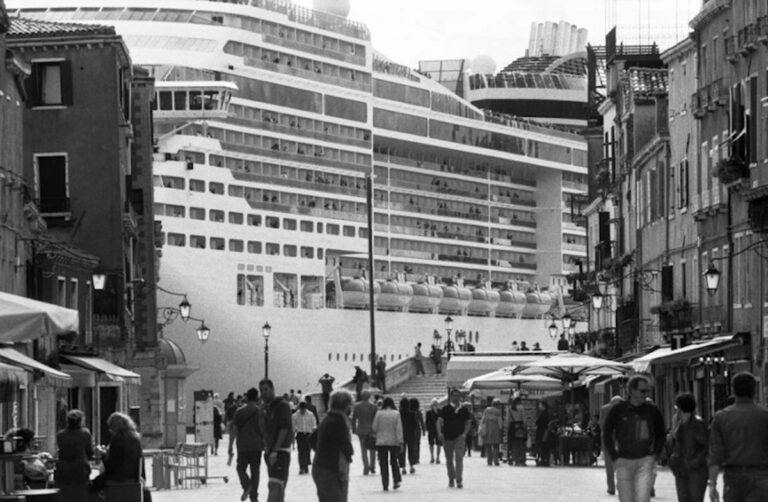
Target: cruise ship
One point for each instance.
(270, 120)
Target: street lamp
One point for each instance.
(712, 277)
(203, 332)
(597, 301)
(448, 329)
(436, 337)
(553, 330)
(566, 322)
(266, 330)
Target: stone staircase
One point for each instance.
(424, 388)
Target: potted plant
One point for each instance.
(731, 169)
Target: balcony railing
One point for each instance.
(718, 94)
(762, 29)
(699, 102)
(747, 38)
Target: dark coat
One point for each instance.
(75, 450)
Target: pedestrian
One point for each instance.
(311, 407)
(359, 379)
(247, 431)
(389, 442)
(303, 424)
(326, 386)
(293, 400)
(437, 358)
(452, 428)
(517, 434)
(218, 426)
(472, 438)
(610, 476)
(362, 420)
(688, 445)
(277, 440)
(75, 450)
(634, 437)
(435, 445)
(491, 427)
(381, 374)
(738, 445)
(419, 359)
(524, 347)
(562, 343)
(542, 435)
(330, 470)
(122, 459)
(414, 441)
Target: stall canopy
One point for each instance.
(667, 355)
(102, 366)
(24, 319)
(506, 379)
(11, 379)
(16, 358)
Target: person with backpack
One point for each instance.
(247, 428)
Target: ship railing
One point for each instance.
(314, 18)
(311, 49)
(364, 84)
(297, 131)
(296, 183)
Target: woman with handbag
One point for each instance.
(389, 442)
(687, 444)
(490, 431)
(517, 434)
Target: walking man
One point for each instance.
(360, 378)
(247, 427)
(381, 374)
(610, 476)
(738, 445)
(634, 436)
(303, 424)
(326, 386)
(417, 356)
(452, 427)
(362, 420)
(277, 440)
(311, 408)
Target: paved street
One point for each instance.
(555, 484)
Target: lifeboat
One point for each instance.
(355, 292)
(511, 304)
(537, 304)
(425, 297)
(455, 300)
(394, 296)
(484, 301)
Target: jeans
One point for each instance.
(691, 486)
(745, 485)
(249, 460)
(302, 444)
(369, 456)
(454, 457)
(610, 476)
(388, 458)
(332, 486)
(634, 477)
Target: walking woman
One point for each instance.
(431, 424)
(420, 430)
(405, 418)
(517, 435)
(389, 442)
(688, 445)
(491, 426)
(122, 459)
(73, 469)
(542, 435)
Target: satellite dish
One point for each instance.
(484, 64)
(336, 7)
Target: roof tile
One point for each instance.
(649, 81)
(22, 27)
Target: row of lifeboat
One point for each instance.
(453, 299)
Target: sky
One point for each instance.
(408, 31)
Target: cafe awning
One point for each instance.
(11, 379)
(16, 358)
(685, 354)
(100, 365)
(23, 319)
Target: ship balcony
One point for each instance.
(298, 183)
(289, 68)
(178, 100)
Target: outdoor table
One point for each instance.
(41, 495)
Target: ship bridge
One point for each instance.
(188, 101)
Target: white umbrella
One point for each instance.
(26, 319)
(506, 379)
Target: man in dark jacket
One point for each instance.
(278, 428)
(247, 428)
(634, 437)
(330, 469)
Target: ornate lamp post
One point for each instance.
(448, 329)
(265, 332)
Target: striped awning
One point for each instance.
(16, 358)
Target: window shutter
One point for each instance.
(31, 85)
(667, 277)
(66, 83)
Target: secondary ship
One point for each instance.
(270, 118)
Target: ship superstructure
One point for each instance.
(268, 119)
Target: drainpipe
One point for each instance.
(729, 290)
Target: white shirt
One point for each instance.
(304, 422)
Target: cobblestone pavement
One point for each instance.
(430, 482)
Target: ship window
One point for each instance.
(166, 100)
(289, 224)
(216, 188)
(216, 215)
(362, 233)
(236, 245)
(284, 290)
(236, 218)
(319, 253)
(273, 249)
(273, 222)
(346, 108)
(197, 241)
(254, 220)
(175, 211)
(289, 250)
(254, 247)
(349, 231)
(312, 292)
(195, 100)
(196, 185)
(250, 290)
(180, 100)
(332, 229)
(197, 213)
(217, 243)
(307, 252)
(176, 239)
(306, 226)
(319, 228)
